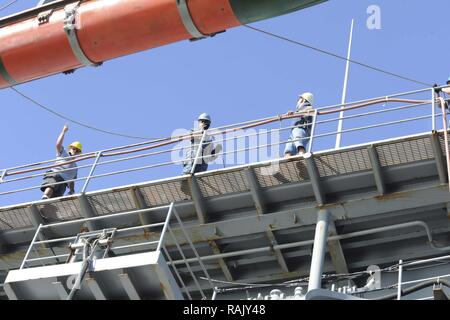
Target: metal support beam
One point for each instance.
(95, 289)
(198, 200)
(376, 169)
(36, 219)
(447, 206)
(439, 157)
(88, 212)
(139, 202)
(261, 209)
(255, 191)
(10, 292)
(129, 287)
(280, 258)
(335, 250)
(319, 250)
(315, 180)
(60, 290)
(222, 263)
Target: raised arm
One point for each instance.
(60, 140)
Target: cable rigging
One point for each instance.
(42, 106)
(337, 56)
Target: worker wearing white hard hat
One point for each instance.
(52, 184)
(209, 151)
(301, 131)
(447, 90)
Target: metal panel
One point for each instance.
(222, 183)
(15, 218)
(346, 162)
(65, 209)
(442, 140)
(166, 192)
(113, 202)
(403, 152)
(280, 173)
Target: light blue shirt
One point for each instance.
(61, 158)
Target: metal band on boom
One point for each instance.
(70, 30)
(187, 20)
(5, 74)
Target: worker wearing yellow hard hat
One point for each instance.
(301, 131)
(64, 172)
(76, 145)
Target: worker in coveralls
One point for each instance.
(302, 125)
(62, 172)
(209, 152)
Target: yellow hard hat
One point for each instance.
(77, 145)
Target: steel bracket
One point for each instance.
(70, 28)
(188, 22)
(44, 17)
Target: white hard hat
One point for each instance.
(204, 116)
(308, 96)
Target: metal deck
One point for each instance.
(250, 226)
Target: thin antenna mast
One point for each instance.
(344, 91)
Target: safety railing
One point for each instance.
(240, 143)
(425, 282)
(108, 236)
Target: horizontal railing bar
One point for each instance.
(45, 173)
(135, 245)
(222, 140)
(55, 240)
(38, 187)
(47, 258)
(159, 224)
(110, 216)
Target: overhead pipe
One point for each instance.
(331, 238)
(67, 35)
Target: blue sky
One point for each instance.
(236, 76)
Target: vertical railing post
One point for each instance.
(214, 294)
(199, 151)
(94, 165)
(38, 230)
(400, 279)
(433, 110)
(313, 130)
(2, 176)
(166, 224)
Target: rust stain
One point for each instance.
(391, 196)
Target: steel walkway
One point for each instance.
(255, 223)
